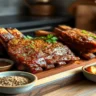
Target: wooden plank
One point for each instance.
(49, 87)
(64, 68)
(82, 88)
(57, 77)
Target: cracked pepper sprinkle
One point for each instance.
(13, 81)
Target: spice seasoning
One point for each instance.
(14, 81)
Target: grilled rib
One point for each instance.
(83, 42)
(36, 55)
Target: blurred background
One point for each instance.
(31, 15)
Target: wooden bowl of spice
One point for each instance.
(16, 82)
(5, 64)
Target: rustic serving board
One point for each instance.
(64, 68)
(56, 78)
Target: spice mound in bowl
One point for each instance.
(14, 81)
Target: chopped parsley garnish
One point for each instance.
(49, 38)
(25, 37)
(32, 45)
(89, 34)
(84, 31)
(28, 37)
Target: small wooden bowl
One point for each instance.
(9, 64)
(87, 74)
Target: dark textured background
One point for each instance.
(15, 7)
(11, 7)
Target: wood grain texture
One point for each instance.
(40, 91)
(80, 88)
(83, 88)
(64, 68)
(57, 78)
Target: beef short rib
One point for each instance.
(82, 41)
(37, 55)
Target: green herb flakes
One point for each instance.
(28, 37)
(89, 34)
(49, 38)
(25, 37)
(84, 31)
(32, 45)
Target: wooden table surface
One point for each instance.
(82, 88)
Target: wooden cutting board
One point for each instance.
(64, 68)
(53, 79)
(81, 88)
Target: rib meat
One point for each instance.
(35, 55)
(83, 42)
